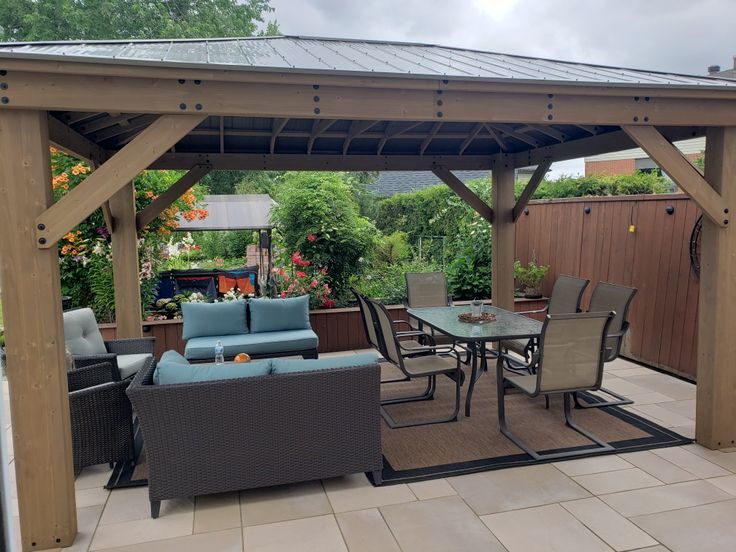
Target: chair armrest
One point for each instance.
(91, 375)
(88, 360)
(539, 311)
(405, 322)
(131, 346)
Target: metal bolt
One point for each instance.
(42, 240)
(550, 106)
(725, 221)
(445, 81)
(182, 81)
(586, 210)
(726, 210)
(3, 85)
(316, 98)
(636, 119)
(526, 211)
(636, 98)
(646, 98)
(439, 102)
(41, 226)
(197, 82)
(440, 92)
(316, 110)
(5, 100)
(669, 209)
(440, 114)
(198, 107)
(315, 86)
(182, 106)
(3, 72)
(550, 96)
(550, 117)
(646, 119)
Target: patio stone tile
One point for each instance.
(626, 387)
(667, 417)
(668, 497)
(594, 464)
(684, 408)
(515, 488)
(707, 528)
(633, 371)
(91, 497)
(355, 492)
(726, 483)
(691, 462)
(668, 385)
(542, 529)
(217, 512)
(142, 530)
(726, 460)
(617, 481)
(434, 488)
(219, 541)
(650, 398)
(687, 431)
(93, 476)
(87, 519)
(283, 503)
(132, 504)
(620, 364)
(336, 354)
(439, 525)
(657, 466)
(617, 531)
(315, 534)
(366, 531)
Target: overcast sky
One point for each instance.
(684, 36)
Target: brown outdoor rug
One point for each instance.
(475, 443)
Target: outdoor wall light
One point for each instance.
(669, 209)
(586, 210)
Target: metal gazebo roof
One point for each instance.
(233, 212)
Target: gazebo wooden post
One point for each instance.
(31, 293)
(128, 315)
(502, 235)
(715, 424)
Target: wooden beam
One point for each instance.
(465, 193)
(125, 267)
(682, 172)
(276, 128)
(503, 146)
(509, 131)
(321, 162)
(318, 128)
(428, 140)
(356, 129)
(548, 130)
(120, 169)
(502, 235)
(221, 134)
(394, 129)
(70, 141)
(715, 422)
(531, 187)
(35, 364)
(469, 140)
(174, 192)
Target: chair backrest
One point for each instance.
(369, 323)
(387, 334)
(566, 295)
(426, 289)
(81, 334)
(612, 297)
(571, 351)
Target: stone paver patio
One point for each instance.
(680, 499)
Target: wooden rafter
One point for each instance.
(592, 130)
(356, 129)
(531, 187)
(222, 134)
(318, 128)
(428, 140)
(133, 125)
(469, 140)
(174, 192)
(513, 133)
(111, 176)
(682, 172)
(548, 131)
(501, 143)
(70, 141)
(121, 119)
(276, 128)
(465, 193)
(394, 129)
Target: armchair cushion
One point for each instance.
(274, 315)
(174, 368)
(202, 348)
(289, 366)
(81, 334)
(130, 364)
(213, 319)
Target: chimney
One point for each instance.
(734, 62)
(712, 69)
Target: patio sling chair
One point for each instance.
(564, 299)
(427, 289)
(570, 357)
(429, 365)
(611, 297)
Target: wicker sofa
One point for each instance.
(225, 435)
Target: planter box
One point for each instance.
(338, 329)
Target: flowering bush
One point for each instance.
(303, 280)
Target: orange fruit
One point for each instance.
(242, 357)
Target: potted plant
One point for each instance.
(529, 278)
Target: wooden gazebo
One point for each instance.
(295, 103)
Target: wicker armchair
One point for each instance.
(84, 340)
(101, 415)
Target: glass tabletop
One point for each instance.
(507, 325)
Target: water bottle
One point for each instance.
(219, 352)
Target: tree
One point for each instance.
(26, 20)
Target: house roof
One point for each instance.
(233, 212)
(399, 182)
(302, 54)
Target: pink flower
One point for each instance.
(314, 284)
(283, 295)
(301, 274)
(312, 238)
(296, 257)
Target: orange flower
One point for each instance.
(78, 169)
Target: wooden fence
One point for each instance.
(591, 238)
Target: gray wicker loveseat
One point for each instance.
(225, 435)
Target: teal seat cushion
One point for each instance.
(290, 366)
(81, 334)
(174, 368)
(203, 348)
(206, 319)
(275, 315)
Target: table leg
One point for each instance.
(474, 374)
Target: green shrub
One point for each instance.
(600, 185)
(393, 248)
(386, 282)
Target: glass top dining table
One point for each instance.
(506, 326)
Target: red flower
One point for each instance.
(301, 274)
(314, 284)
(283, 295)
(296, 258)
(312, 238)
(328, 304)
